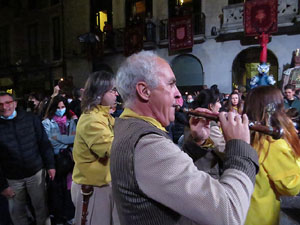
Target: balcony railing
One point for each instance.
(155, 35)
(233, 15)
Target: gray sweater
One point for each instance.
(154, 181)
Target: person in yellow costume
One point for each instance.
(91, 187)
(279, 173)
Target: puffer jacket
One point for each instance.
(24, 148)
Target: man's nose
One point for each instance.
(177, 93)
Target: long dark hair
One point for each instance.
(206, 97)
(96, 86)
(239, 105)
(257, 104)
(53, 107)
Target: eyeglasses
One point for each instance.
(6, 103)
(113, 90)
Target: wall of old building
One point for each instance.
(76, 22)
(215, 57)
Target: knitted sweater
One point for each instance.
(154, 181)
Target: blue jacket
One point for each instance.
(62, 141)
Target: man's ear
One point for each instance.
(142, 90)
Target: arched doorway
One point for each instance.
(188, 71)
(245, 66)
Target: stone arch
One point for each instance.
(188, 71)
(244, 66)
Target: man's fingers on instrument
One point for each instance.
(231, 117)
(222, 117)
(238, 118)
(245, 120)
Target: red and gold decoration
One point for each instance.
(260, 16)
(260, 20)
(180, 33)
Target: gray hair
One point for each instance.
(96, 86)
(142, 66)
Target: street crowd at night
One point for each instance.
(118, 151)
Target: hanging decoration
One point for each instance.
(260, 20)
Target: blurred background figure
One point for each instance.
(176, 128)
(294, 115)
(189, 100)
(60, 126)
(37, 103)
(235, 103)
(279, 173)
(75, 105)
(290, 101)
(206, 155)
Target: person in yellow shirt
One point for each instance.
(91, 187)
(279, 173)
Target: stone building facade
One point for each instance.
(44, 40)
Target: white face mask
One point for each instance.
(70, 100)
(190, 100)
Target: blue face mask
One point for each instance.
(13, 115)
(60, 112)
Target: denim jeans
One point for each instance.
(33, 187)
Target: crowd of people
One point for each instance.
(78, 160)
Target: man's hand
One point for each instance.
(8, 192)
(234, 126)
(51, 173)
(200, 129)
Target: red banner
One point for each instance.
(180, 33)
(260, 16)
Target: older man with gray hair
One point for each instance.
(153, 181)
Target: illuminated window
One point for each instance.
(102, 11)
(101, 18)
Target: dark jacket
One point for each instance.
(24, 148)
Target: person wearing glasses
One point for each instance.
(91, 188)
(26, 154)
